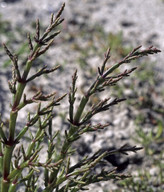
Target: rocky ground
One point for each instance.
(91, 26)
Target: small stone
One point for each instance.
(154, 171)
(109, 134)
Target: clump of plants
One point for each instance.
(144, 179)
(21, 167)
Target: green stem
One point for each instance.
(25, 129)
(73, 128)
(17, 99)
(80, 109)
(67, 144)
(16, 171)
(14, 184)
(6, 167)
(12, 187)
(63, 154)
(1, 158)
(9, 147)
(32, 145)
(12, 124)
(27, 69)
(22, 84)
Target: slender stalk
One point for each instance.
(9, 147)
(13, 187)
(17, 99)
(18, 171)
(1, 158)
(63, 155)
(6, 167)
(80, 109)
(12, 124)
(9, 180)
(32, 145)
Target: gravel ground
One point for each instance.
(141, 22)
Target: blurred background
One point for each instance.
(90, 27)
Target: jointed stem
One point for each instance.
(6, 167)
(9, 147)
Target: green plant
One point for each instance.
(137, 183)
(143, 180)
(151, 177)
(97, 41)
(151, 137)
(4, 26)
(21, 166)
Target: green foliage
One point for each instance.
(96, 42)
(143, 180)
(150, 178)
(139, 183)
(153, 136)
(4, 27)
(21, 166)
